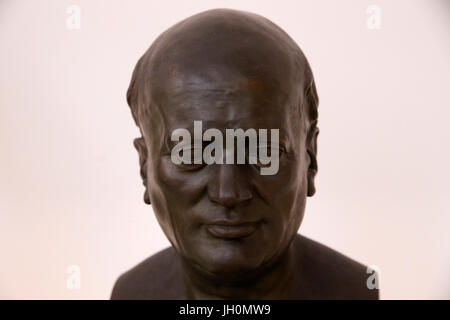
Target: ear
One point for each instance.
(311, 148)
(139, 144)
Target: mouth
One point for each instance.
(232, 230)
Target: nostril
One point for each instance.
(228, 187)
(231, 200)
(246, 195)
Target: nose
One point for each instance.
(228, 185)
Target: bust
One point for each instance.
(233, 229)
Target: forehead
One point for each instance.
(228, 70)
(225, 98)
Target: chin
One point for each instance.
(229, 261)
(229, 268)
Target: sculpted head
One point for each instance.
(228, 69)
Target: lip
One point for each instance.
(232, 229)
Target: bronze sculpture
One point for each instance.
(233, 231)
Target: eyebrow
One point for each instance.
(169, 144)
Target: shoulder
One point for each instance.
(157, 277)
(328, 274)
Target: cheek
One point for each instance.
(179, 185)
(174, 193)
(289, 182)
(296, 192)
(285, 195)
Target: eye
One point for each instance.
(263, 161)
(190, 163)
(190, 167)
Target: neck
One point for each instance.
(274, 281)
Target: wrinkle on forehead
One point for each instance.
(221, 82)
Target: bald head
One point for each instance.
(224, 48)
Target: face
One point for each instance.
(226, 219)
